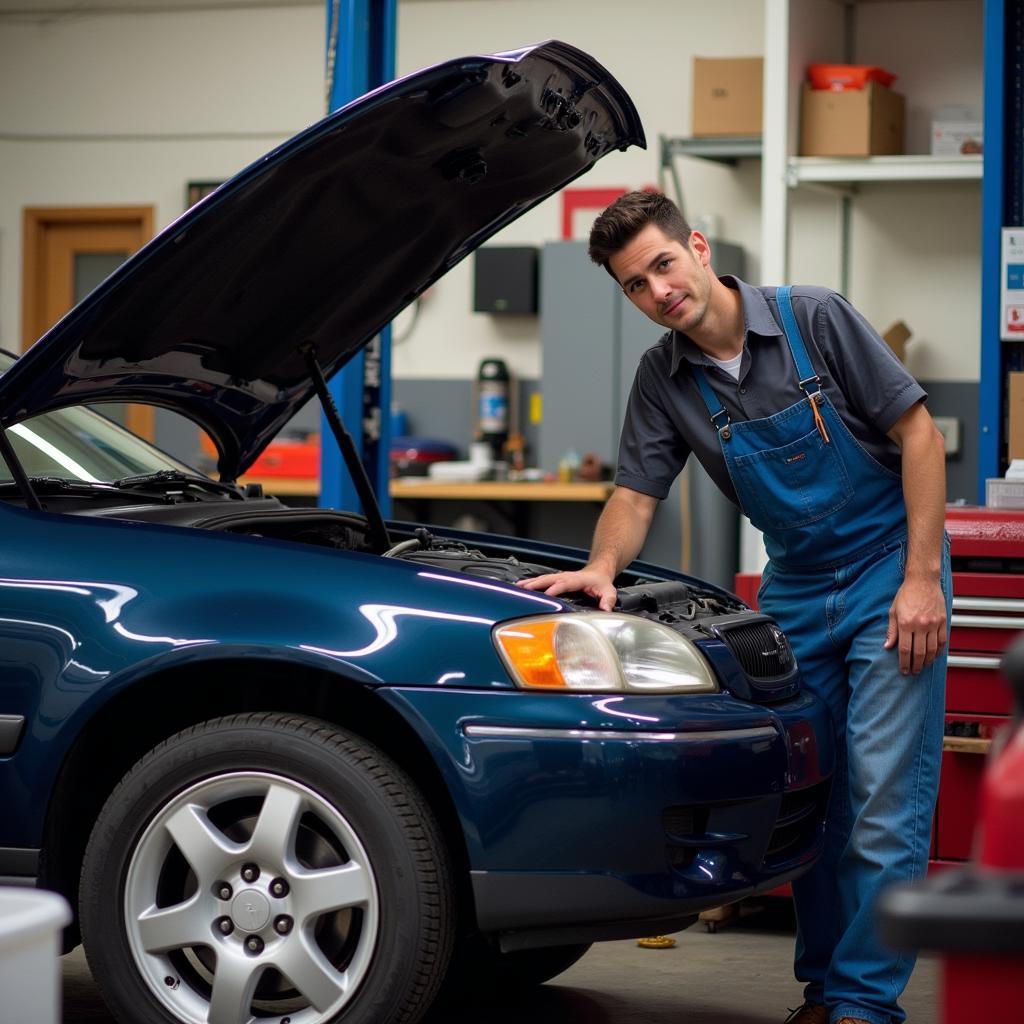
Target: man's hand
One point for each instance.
(593, 582)
(917, 622)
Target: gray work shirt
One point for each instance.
(666, 418)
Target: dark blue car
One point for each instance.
(304, 764)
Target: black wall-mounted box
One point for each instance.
(505, 279)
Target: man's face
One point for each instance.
(668, 281)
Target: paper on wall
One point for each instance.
(1011, 304)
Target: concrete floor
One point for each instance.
(741, 974)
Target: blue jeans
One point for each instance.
(889, 744)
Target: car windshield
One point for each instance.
(80, 444)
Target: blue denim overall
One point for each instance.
(834, 524)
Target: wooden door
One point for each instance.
(68, 251)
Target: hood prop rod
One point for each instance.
(375, 521)
(18, 472)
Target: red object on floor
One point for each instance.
(982, 988)
(991, 986)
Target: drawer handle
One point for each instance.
(988, 604)
(987, 622)
(972, 661)
(966, 744)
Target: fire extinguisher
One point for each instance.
(493, 387)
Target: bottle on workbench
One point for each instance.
(569, 467)
(493, 389)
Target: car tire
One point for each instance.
(267, 864)
(479, 968)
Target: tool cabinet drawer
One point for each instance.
(981, 623)
(974, 684)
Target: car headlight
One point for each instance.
(600, 652)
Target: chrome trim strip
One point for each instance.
(971, 661)
(989, 604)
(986, 622)
(520, 732)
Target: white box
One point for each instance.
(957, 138)
(30, 924)
(1000, 493)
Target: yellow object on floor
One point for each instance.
(656, 942)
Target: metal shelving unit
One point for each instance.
(820, 169)
(727, 150)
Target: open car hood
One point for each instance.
(322, 242)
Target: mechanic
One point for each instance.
(806, 420)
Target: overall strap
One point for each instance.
(795, 340)
(719, 414)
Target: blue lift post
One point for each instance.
(1002, 205)
(990, 399)
(360, 57)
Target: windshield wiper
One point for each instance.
(56, 485)
(164, 479)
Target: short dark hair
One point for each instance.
(627, 217)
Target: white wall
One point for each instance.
(125, 107)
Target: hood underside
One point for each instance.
(322, 242)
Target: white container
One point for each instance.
(1000, 493)
(30, 924)
(957, 138)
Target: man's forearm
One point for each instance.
(924, 491)
(621, 530)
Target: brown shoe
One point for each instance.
(852, 1020)
(809, 1013)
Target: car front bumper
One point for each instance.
(589, 816)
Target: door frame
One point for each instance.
(36, 221)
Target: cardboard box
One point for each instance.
(1015, 415)
(855, 122)
(957, 138)
(896, 337)
(727, 95)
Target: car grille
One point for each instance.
(761, 649)
(801, 813)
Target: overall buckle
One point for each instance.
(724, 428)
(814, 379)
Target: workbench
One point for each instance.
(511, 498)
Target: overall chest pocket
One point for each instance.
(799, 483)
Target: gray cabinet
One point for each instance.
(592, 340)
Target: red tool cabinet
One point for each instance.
(988, 613)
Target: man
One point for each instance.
(805, 419)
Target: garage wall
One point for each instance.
(125, 108)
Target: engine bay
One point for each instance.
(501, 559)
